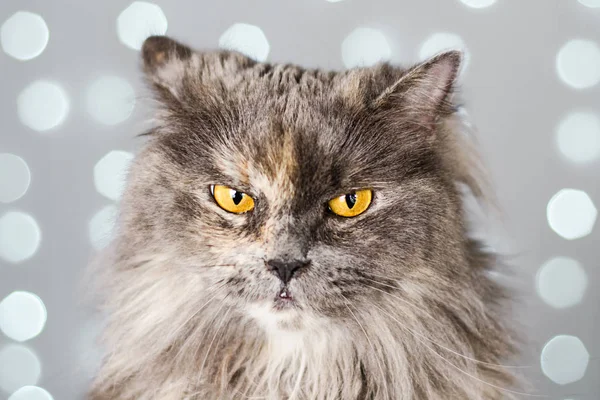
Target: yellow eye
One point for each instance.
(352, 204)
(232, 200)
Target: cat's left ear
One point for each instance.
(424, 92)
(165, 63)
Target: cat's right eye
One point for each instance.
(351, 204)
(232, 200)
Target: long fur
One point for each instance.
(396, 304)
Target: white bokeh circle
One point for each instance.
(20, 236)
(24, 35)
(110, 100)
(590, 3)
(578, 63)
(102, 225)
(444, 41)
(561, 282)
(478, 3)
(19, 366)
(14, 177)
(247, 39)
(571, 214)
(22, 316)
(110, 173)
(364, 47)
(564, 359)
(578, 137)
(42, 105)
(138, 21)
(31, 393)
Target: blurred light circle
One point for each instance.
(590, 3)
(444, 41)
(578, 63)
(102, 225)
(31, 393)
(247, 39)
(110, 100)
(42, 105)
(578, 137)
(564, 359)
(139, 21)
(20, 236)
(478, 3)
(110, 173)
(14, 177)
(571, 214)
(365, 47)
(24, 35)
(22, 316)
(19, 367)
(561, 282)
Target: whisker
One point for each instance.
(223, 320)
(465, 372)
(383, 376)
(448, 349)
(210, 288)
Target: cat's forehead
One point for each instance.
(267, 165)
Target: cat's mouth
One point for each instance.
(284, 299)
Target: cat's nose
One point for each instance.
(285, 270)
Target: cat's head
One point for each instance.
(298, 195)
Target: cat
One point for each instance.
(289, 233)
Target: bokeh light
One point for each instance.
(561, 282)
(42, 105)
(571, 213)
(578, 63)
(20, 236)
(365, 47)
(110, 173)
(110, 100)
(14, 177)
(578, 137)
(101, 226)
(24, 35)
(478, 3)
(247, 39)
(19, 366)
(31, 393)
(139, 21)
(22, 316)
(564, 359)
(444, 41)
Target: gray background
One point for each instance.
(512, 92)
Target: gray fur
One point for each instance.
(395, 304)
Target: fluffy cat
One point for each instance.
(292, 299)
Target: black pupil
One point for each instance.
(351, 200)
(237, 197)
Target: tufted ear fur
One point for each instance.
(176, 71)
(424, 92)
(165, 64)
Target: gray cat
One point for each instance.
(299, 234)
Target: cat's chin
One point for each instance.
(278, 314)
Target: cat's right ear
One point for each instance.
(165, 64)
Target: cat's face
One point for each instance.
(289, 141)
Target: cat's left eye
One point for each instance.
(351, 204)
(232, 200)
